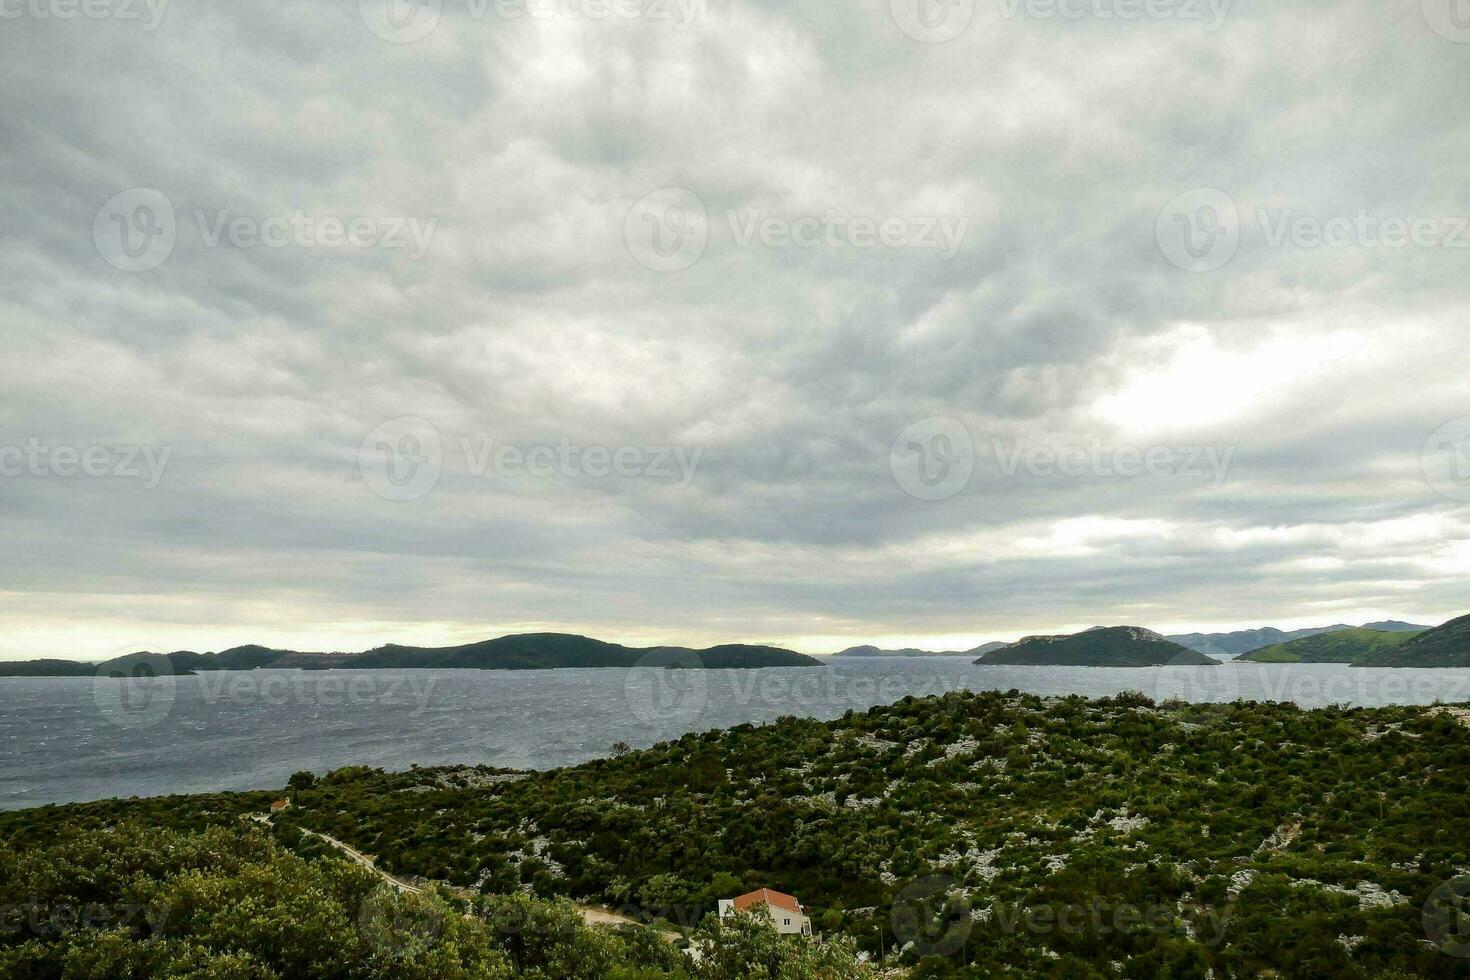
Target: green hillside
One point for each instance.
(1103, 646)
(1233, 840)
(1444, 646)
(233, 902)
(529, 651)
(1339, 647)
(1242, 641)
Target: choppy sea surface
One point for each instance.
(72, 739)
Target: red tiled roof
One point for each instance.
(764, 896)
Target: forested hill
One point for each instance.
(1234, 643)
(1102, 646)
(1243, 641)
(1339, 647)
(1244, 839)
(1444, 646)
(528, 651)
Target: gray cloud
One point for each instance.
(1060, 323)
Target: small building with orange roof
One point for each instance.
(785, 911)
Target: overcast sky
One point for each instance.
(328, 324)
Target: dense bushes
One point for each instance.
(232, 904)
(1241, 832)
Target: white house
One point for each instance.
(785, 911)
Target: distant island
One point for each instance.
(1344, 646)
(912, 652)
(1447, 645)
(526, 651)
(1390, 643)
(1101, 646)
(1244, 641)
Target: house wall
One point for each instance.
(785, 921)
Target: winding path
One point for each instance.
(591, 916)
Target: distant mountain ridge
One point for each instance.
(1243, 641)
(526, 651)
(868, 650)
(1443, 646)
(1101, 646)
(1447, 645)
(1335, 647)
